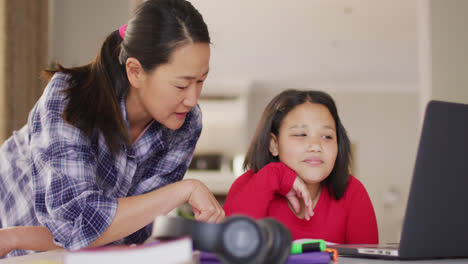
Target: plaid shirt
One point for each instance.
(51, 174)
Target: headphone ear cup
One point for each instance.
(241, 240)
(278, 240)
(238, 240)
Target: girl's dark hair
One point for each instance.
(259, 154)
(95, 90)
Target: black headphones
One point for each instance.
(238, 239)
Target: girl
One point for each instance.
(298, 173)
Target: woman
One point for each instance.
(107, 144)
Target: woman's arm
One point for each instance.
(37, 238)
(133, 213)
(136, 212)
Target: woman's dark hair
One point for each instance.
(95, 90)
(259, 154)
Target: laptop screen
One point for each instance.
(436, 217)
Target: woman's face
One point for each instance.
(168, 92)
(307, 142)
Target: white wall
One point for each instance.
(313, 40)
(79, 27)
(443, 58)
(338, 41)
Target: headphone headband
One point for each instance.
(204, 235)
(239, 239)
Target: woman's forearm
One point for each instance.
(36, 238)
(134, 213)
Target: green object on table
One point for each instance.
(308, 246)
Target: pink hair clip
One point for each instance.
(122, 31)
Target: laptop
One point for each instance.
(436, 218)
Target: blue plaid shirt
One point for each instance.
(51, 174)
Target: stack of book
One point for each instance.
(173, 251)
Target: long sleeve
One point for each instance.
(362, 224)
(68, 198)
(251, 194)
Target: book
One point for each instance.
(173, 251)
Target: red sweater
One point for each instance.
(349, 220)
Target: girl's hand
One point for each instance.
(297, 192)
(205, 206)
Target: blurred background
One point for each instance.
(381, 60)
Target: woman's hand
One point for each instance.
(299, 191)
(205, 206)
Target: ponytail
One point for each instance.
(94, 94)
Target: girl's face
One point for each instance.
(307, 142)
(167, 93)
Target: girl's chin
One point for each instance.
(311, 180)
